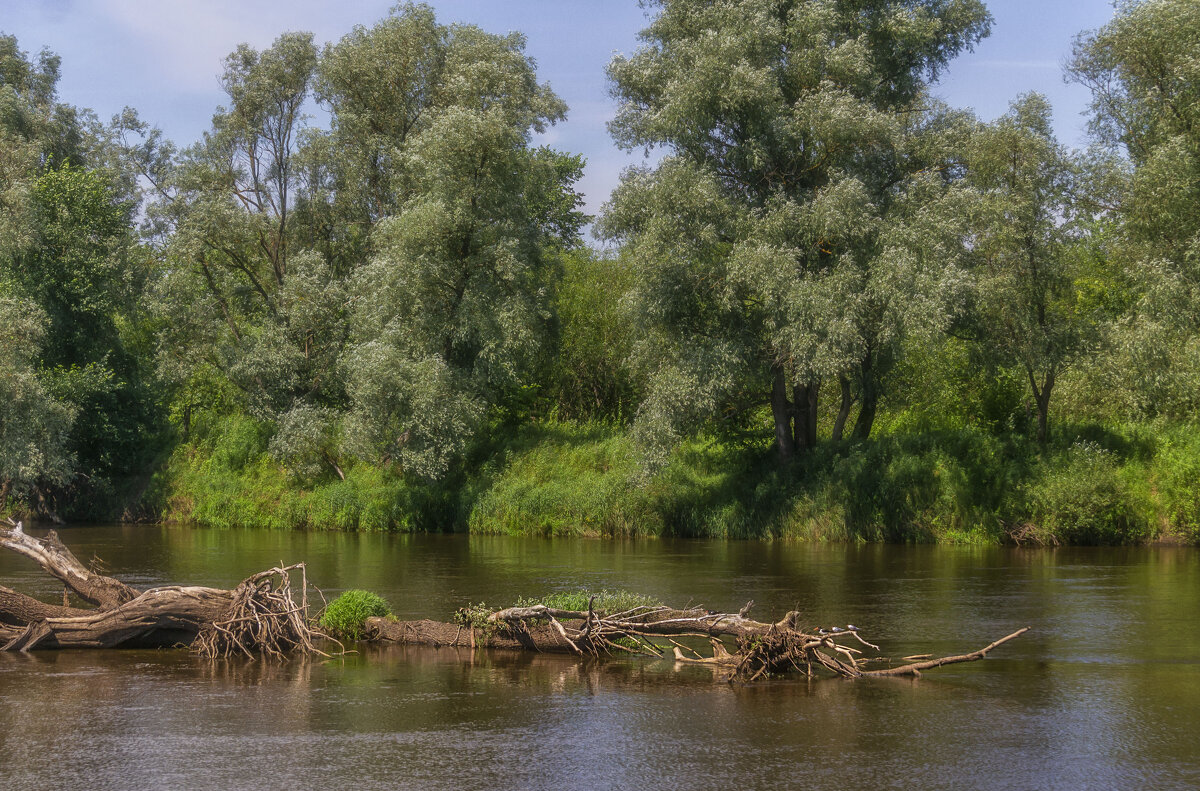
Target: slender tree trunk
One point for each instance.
(870, 400)
(804, 402)
(782, 412)
(839, 423)
(1042, 397)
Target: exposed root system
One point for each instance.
(264, 618)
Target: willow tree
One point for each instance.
(758, 237)
(1029, 309)
(1143, 69)
(226, 209)
(34, 425)
(452, 309)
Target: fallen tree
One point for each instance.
(760, 648)
(259, 616)
(267, 615)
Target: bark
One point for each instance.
(17, 609)
(159, 617)
(870, 399)
(542, 638)
(1041, 395)
(804, 404)
(532, 628)
(781, 410)
(839, 423)
(55, 559)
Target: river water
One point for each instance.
(1103, 692)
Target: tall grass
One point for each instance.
(1092, 484)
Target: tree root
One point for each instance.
(264, 618)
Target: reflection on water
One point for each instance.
(1103, 693)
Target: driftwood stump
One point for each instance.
(124, 616)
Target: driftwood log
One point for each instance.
(264, 615)
(213, 621)
(760, 648)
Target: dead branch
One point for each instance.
(915, 668)
(53, 556)
(263, 618)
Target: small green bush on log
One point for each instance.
(347, 614)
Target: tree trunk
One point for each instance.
(1042, 397)
(533, 628)
(53, 556)
(839, 423)
(762, 648)
(870, 399)
(158, 618)
(17, 609)
(781, 410)
(804, 403)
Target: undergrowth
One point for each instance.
(1091, 484)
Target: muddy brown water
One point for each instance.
(1104, 692)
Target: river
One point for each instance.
(1103, 692)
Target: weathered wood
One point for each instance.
(53, 556)
(17, 609)
(537, 637)
(163, 616)
(160, 616)
(658, 621)
(262, 617)
(915, 668)
(763, 648)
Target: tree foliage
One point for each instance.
(763, 266)
(388, 305)
(1143, 69)
(1030, 310)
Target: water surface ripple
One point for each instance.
(1104, 692)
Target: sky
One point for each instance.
(163, 57)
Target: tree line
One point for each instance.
(823, 252)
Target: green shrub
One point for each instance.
(1083, 499)
(347, 614)
(1178, 484)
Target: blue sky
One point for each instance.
(163, 56)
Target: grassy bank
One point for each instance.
(1090, 485)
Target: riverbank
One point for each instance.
(1091, 485)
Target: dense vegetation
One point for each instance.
(835, 308)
